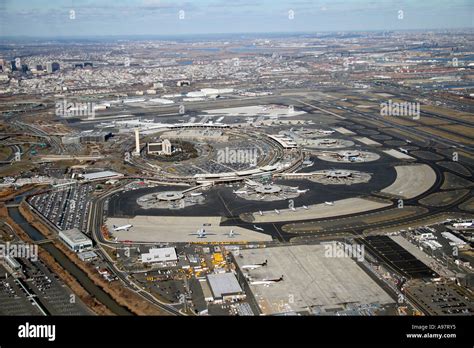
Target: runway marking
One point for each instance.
(318, 108)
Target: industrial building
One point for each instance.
(163, 256)
(225, 287)
(453, 240)
(87, 256)
(95, 137)
(206, 290)
(75, 240)
(101, 175)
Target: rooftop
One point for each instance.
(224, 284)
(160, 255)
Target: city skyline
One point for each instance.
(83, 18)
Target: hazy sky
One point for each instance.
(162, 17)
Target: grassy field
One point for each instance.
(5, 152)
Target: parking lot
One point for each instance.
(66, 208)
(441, 299)
(50, 291)
(14, 300)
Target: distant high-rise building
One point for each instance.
(39, 67)
(52, 67)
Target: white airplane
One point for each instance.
(302, 191)
(293, 208)
(201, 233)
(122, 228)
(232, 234)
(277, 211)
(305, 207)
(257, 228)
(240, 192)
(266, 282)
(194, 194)
(260, 212)
(329, 203)
(402, 150)
(254, 266)
(462, 224)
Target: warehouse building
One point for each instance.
(225, 287)
(206, 290)
(162, 256)
(75, 240)
(106, 174)
(95, 137)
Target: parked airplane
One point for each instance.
(277, 211)
(240, 192)
(405, 151)
(194, 194)
(266, 282)
(257, 228)
(122, 228)
(302, 191)
(254, 266)
(201, 233)
(293, 208)
(463, 224)
(260, 212)
(231, 234)
(329, 203)
(305, 207)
